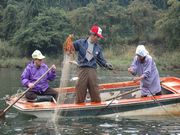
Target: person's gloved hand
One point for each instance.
(109, 66)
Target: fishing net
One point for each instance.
(65, 74)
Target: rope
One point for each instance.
(161, 105)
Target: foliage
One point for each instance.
(7, 51)
(169, 61)
(33, 8)
(143, 18)
(10, 21)
(169, 25)
(161, 4)
(73, 4)
(46, 32)
(3, 3)
(45, 24)
(120, 24)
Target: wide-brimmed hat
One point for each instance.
(37, 55)
(96, 30)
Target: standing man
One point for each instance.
(89, 55)
(145, 68)
(33, 71)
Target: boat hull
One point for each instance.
(166, 104)
(172, 109)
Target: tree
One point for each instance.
(143, 17)
(46, 32)
(10, 21)
(161, 4)
(169, 25)
(3, 3)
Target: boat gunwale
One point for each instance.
(106, 103)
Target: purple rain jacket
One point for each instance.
(151, 82)
(31, 73)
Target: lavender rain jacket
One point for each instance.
(31, 73)
(151, 82)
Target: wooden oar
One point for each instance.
(123, 94)
(112, 99)
(2, 112)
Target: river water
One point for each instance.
(16, 123)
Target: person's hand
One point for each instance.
(53, 68)
(31, 85)
(74, 62)
(136, 79)
(109, 66)
(130, 70)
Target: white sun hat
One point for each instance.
(141, 50)
(37, 55)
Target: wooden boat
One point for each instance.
(114, 102)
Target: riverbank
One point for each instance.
(165, 60)
(120, 58)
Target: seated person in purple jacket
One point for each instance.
(145, 68)
(33, 71)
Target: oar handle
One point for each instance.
(5, 110)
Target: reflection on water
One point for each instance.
(19, 124)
